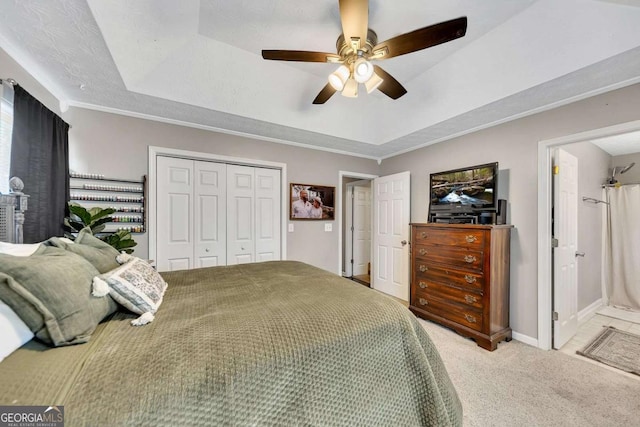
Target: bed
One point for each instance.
(273, 343)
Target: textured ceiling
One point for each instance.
(198, 62)
(619, 145)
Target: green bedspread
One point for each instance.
(277, 343)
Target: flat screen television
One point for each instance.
(466, 191)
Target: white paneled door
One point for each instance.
(174, 214)
(240, 215)
(210, 196)
(211, 214)
(253, 214)
(565, 229)
(391, 216)
(267, 221)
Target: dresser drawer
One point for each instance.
(431, 289)
(425, 272)
(448, 255)
(450, 237)
(466, 316)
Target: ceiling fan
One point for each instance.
(358, 45)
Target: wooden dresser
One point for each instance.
(460, 279)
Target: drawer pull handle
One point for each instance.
(423, 301)
(423, 234)
(471, 238)
(470, 259)
(423, 268)
(423, 285)
(470, 318)
(470, 299)
(470, 279)
(422, 251)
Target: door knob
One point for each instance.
(580, 254)
(403, 243)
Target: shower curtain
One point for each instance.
(622, 247)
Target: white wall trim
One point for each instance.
(176, 122)
(587, 313)
(341, 175)
(154, 152)
(527, 113)
(545, 273)
(524, 339)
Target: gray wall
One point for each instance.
(593, 167)
(633, 174)
(514, 145)
(117, 145)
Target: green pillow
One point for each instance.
(100, 254)
(51, 292)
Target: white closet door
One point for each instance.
(240, 214)
(210, 211)
(267, 218)
(174, 214)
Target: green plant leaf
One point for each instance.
(98, 229)
(100, 222)
(97, 213)
(81, 212)
(126, 244)
(76, 226)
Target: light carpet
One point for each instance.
(520, 385)
(616, 348)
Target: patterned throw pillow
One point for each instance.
(136, 286)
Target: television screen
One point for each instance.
(465, 190)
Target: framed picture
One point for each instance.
(311, 202)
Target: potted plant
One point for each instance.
(96, 219)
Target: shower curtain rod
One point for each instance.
(619, 185)
(9, 80)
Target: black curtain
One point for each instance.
(40, 157)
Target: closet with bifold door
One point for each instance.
(211, 214)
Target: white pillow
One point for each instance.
(15, 332)
(136, 285)
(15, 249)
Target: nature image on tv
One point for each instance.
(471, 187)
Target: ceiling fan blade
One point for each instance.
(390, 86)
(324, 95)
(354, 15)
(300, 55)
(421, 39)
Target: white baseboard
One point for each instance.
(524, 339)
(587, 312)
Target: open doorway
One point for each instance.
(357, 253)
(355, 225)
(588, 303)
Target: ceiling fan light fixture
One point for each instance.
(339, 77)
(373, 83)
(362, 70)
(350, 89)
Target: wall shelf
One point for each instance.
(98, 177)
(95, 190)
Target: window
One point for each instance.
(6, 128)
